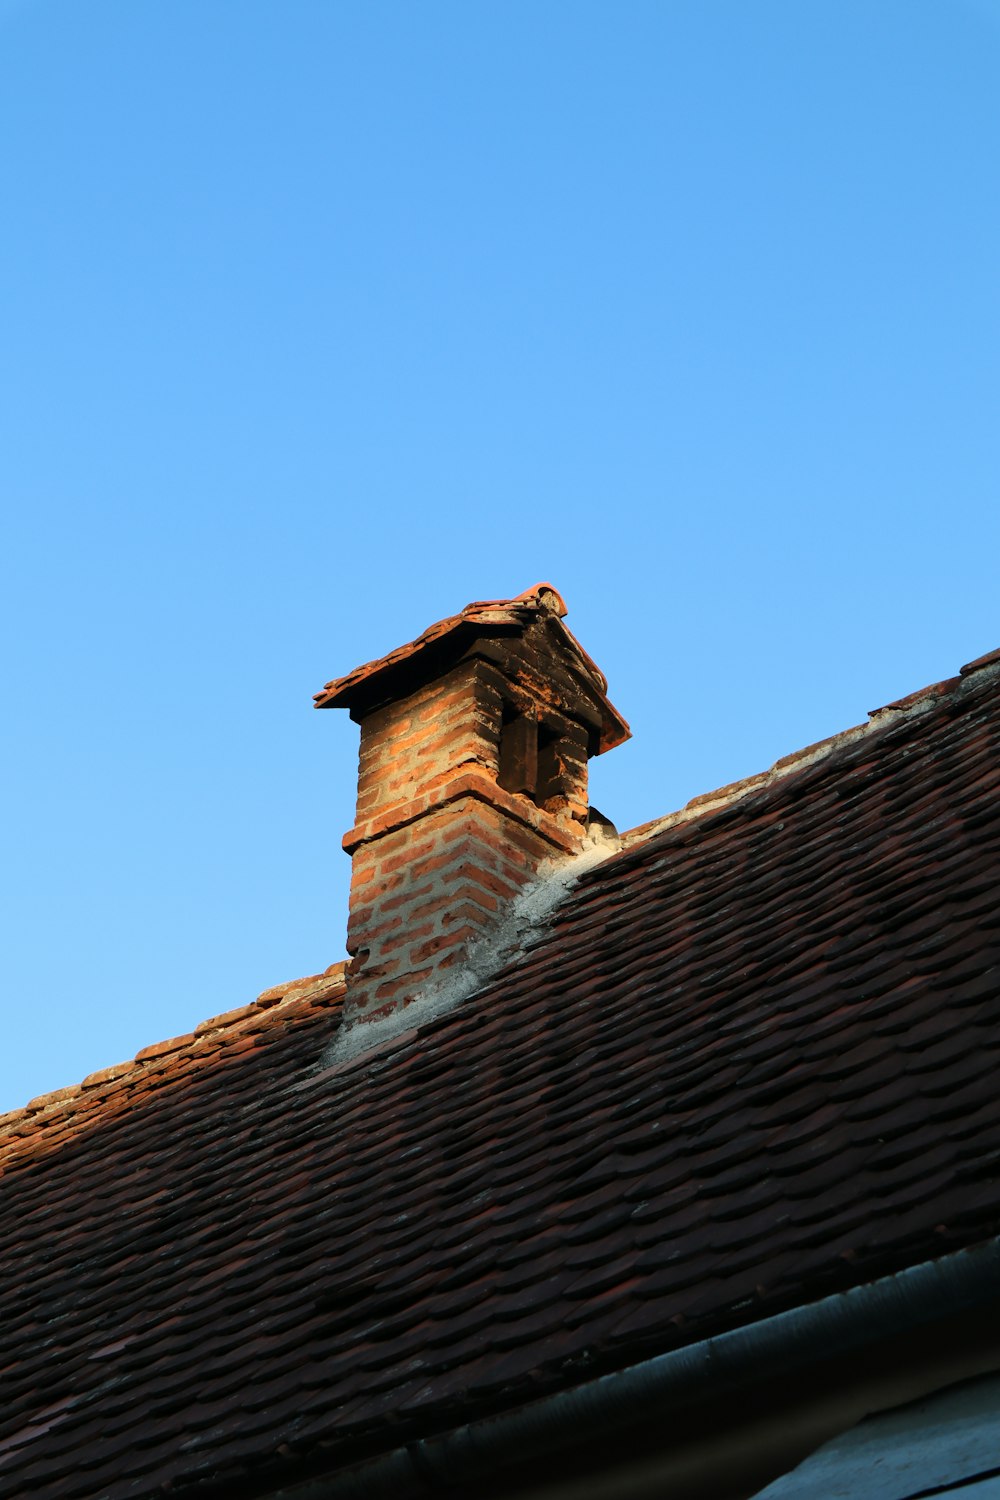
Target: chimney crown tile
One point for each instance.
(396, 673)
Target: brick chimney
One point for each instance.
(475, 739)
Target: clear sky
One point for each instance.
(321, 319)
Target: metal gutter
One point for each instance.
(843, 1323)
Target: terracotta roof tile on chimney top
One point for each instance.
(475, 739)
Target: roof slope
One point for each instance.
(751, 1061)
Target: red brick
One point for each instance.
(502, 888)
(407, 857)
(469, 911)
(373, 935)
(436, 945)
(395, 903)
(441, 903)
(404, 936)
(432, 865)
(392, 987)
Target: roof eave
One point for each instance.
(842, 1324)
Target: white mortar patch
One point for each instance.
(525, 920)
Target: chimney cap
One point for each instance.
(482, 617)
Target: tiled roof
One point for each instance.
(751, 1061)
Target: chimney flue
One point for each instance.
(475, 739)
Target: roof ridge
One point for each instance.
(313, 987)
(984, 668)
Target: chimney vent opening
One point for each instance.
(531, 758)
(517, 761)
(551, 766)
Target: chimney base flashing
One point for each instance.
(425, 997)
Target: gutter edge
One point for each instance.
(838, 1324)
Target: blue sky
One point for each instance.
(321, 319)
